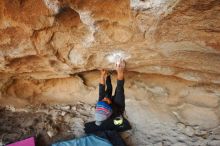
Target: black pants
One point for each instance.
(119, 98)
(118, 106)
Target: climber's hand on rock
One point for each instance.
(103, 72)
(120, 67)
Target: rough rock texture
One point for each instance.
(50, 51)
(48, 124)
(169, 37)
(162, 110)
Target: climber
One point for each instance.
(110, 109)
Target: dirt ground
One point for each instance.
(48, 124)
(54, 123)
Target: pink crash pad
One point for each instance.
(26, 142)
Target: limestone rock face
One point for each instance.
(50, 51)
(169, 37)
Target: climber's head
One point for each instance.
(107, 100)
(102, 112)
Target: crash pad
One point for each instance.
(26, 142)
(91, 140)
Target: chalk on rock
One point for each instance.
(117, 55)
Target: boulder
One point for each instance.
(198, 116)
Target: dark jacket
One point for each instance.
(118, 107)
